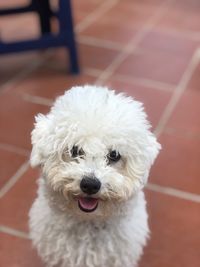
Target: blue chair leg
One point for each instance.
(66, 29)
(74, 66)
(65, 36)
(43, 9)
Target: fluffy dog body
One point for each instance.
(92, 132)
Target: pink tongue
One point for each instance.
(88, 203)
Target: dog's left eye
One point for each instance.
(76, 152)
(113, 156)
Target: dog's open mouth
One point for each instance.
(87, 204)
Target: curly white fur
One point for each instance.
(96, 120)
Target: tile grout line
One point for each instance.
(81, 26)
(94, 72)
(191, 35)
(173, 192)
(178, 93)
(95, 15)
(161, 86)
(37, 62)
(104, 8)
(12, 181)
(37, 100)
(14, 149)
(185, 134)
(132, 44)
(28, 69)
(98, 42)
(114, 45)
(14, 232)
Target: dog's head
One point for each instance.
(95, 149)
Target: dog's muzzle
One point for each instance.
(89, 186)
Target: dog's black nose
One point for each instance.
(90, 185)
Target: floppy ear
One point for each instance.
(153, 148)
(39, 140)
(147, 151)
(151, 152)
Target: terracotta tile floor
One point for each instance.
(148, 49)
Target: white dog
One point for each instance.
(95, 150)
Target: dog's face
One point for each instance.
(95, 150)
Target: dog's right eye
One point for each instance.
(76, 152)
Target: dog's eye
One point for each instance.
(76, 152)
(113, 156)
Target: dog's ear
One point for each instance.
(150, 153)
(153, 148)
(39, 140)
(147, 150)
